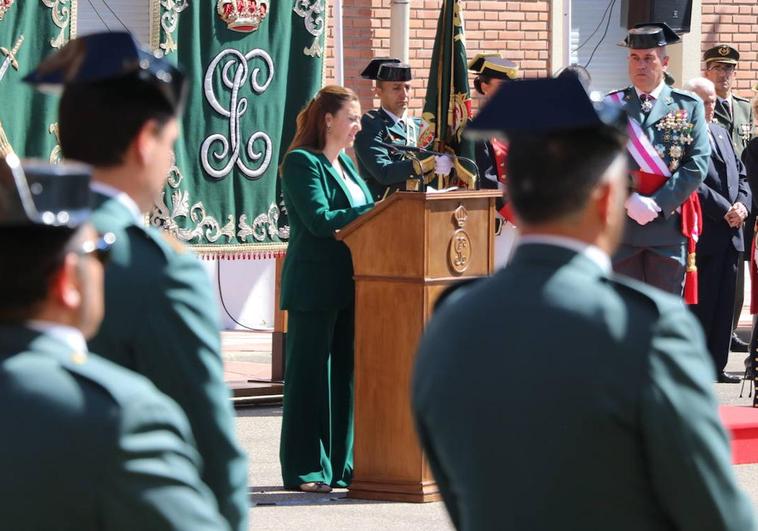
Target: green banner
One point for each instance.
(252, 66)
(447, 105)
(29, 31)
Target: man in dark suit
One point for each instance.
(736, 115)
(668, 166)
(725, 200)
(86, 444)
(386, 170)
(119, 113)
(623, 432)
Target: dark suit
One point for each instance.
(318, 292)
(655, 252)
(161, 321)
(89, 445)
(720, 246)
(620, 430)
(383, 169)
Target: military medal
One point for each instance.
(647, 106)
(677, 133)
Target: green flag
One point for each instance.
(30, 30)
(252, 66)
(447, 106)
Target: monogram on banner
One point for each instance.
(219, 154)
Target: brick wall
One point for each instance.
(735, 22)
(519, 30)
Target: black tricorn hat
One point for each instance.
(372, 69)
(394, 72)
(493, 66)
(721, 53)
(650, 35)
(109, 56)
(564, 105)
(34, 192)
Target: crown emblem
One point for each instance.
(724, 51)
(460, 215)
(241, 15)
(5, 5)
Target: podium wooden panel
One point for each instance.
(402, 260)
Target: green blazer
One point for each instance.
(584, 403)
(318, 270)
(740, 124)
(685, 178)
(161, 321)
(89, 445)
(381, 167)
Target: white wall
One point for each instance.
(247, 287)
(135, 14)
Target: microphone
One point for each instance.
(412, 149)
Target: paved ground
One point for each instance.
(258, 429)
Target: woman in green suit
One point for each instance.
(322, 193)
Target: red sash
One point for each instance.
(500, 153)
(692, 226)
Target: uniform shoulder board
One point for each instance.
(685, 93)
(741, 99)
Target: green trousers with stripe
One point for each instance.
(317, 419)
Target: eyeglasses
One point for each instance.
(722, 68)
(100, 248)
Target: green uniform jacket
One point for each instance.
(584, 403)
(666, 230)
(318, 270)
(161, 321)
(740, 125)
(87, 445)
(381, 167)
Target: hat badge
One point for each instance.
(242, 15)
(724, 51)
(5, 5)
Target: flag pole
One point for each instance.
(339, 50)
(400, 20)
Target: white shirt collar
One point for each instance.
(395, 117)
(593, 252)
(69, 335)
(121, 197)
(656, 91)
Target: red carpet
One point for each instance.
(742, 423)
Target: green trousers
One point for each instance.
(317, 420)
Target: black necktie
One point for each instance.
(726, 109)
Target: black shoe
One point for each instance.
(738, 345)
(725, 378)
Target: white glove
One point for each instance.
(443, 164)
(641, 209)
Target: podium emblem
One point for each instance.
(459, 253)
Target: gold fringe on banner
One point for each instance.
(240, 252)
(5, 145)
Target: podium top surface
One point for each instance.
(413, 196)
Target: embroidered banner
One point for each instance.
(252, 66)
(29, 31)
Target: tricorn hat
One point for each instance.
(39, 193)
(564, 105)
(109, 56)
(372, 68)
(650, 35)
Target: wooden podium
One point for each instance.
(405, 252)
